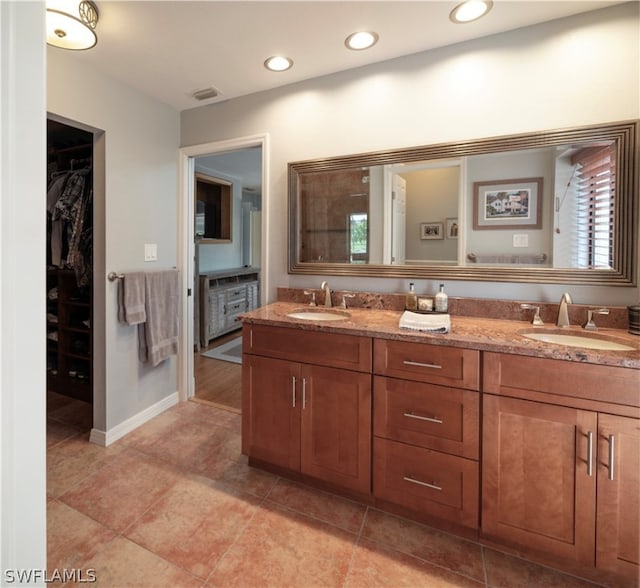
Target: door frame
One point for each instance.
(186, 243)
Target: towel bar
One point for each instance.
(113, 276)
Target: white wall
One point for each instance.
(22, 289)
(141, 139)
(219, 256)
(532, 79)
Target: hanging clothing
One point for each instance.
(69, 202)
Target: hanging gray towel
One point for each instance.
(131, 298)
(158, 335)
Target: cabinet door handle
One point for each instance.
(304, 393)
(293, 391)
(419, 364)
(612, 455)
(589, 453)
(419, 482)
(410, 415)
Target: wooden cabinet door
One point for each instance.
(270, 411)
(336, 426)
(618, 510)
(538, 491)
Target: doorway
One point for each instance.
(75, 275)
(226, 275)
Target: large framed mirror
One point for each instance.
(557, 206)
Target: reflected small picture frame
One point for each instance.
(451, 228)
(431, 230)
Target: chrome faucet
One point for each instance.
(590, 325)
(327, 294)
(563, 314)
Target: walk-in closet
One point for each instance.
(69, 261)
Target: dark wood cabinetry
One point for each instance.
(537, 456)
(303, 414)
(426, 431)
(561, 478)
(69, 340)
(618, 491)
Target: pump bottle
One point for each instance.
(442, 300)
(411, 300)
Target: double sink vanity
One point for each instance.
(500, 431)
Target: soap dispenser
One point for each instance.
(411, 300)
(442, 300)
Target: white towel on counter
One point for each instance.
(430, 323)
(158, 335)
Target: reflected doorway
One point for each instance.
(227, 276)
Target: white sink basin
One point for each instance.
(583, 341)
(319, 315)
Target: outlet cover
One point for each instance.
(150, 251)
(521, 240)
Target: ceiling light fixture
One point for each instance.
(71, 25)
(361, 40)
(470, 10)
(278, 63)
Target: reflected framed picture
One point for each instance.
(431, 231)
(451, 228)
(507, 204)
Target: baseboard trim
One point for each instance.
(106, 438)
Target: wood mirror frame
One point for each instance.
(625, 243)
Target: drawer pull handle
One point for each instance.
(414, 481)
(293, 391)
(424, 418)
(304, 393)
(419, 364)
(612, 456)
(589, 453)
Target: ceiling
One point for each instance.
(169, 49)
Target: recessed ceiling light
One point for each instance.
(361, 40)
(278, 63)
(470, 10)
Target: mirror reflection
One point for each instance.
(559, 201)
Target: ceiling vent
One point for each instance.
(205, 93)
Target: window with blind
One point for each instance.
(596, 202)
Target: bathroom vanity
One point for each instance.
(521, 444)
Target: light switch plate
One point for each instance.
(521, 240)
(150, 251)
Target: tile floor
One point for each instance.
(174, 504)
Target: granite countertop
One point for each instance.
(483, 334)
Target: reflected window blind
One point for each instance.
(596, 200)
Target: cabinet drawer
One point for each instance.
(523, 377)
(448, 366)
(320, 348)
(427, 482)
(431, 416)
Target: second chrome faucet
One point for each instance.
(563, 310)
(327, 294)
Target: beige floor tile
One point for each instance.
(284, 549)
(73, 539)
(123, 564)
(74, 412)
(209, 413)
(505, 571)
(194, 523)
(442, 549)
(58, 432)
(342, 513)
(73, 460)
(122, 490)
(237, 473)
(377, 566)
